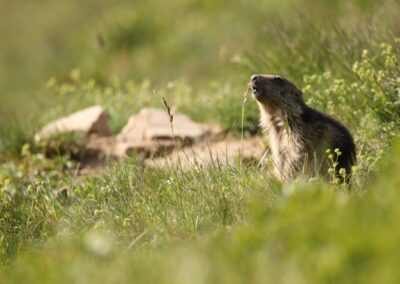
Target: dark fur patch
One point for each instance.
(342, 139)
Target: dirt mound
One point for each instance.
(220, 153)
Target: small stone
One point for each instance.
(61, 193)
(92, 120)
(154, 124)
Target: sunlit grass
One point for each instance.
(212, 225)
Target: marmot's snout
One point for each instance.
(260, 84)
(255, 86)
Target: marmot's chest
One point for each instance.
(286, 146)
(292, 153)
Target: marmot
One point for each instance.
(300, 136)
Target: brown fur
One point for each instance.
(299, 135)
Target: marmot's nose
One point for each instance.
(255, 78)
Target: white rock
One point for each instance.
(154, 124)
(92, 120)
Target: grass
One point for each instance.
(217, 224)
(243, 226)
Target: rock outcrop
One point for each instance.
(147, 133)
(154, 124)
(92, 120)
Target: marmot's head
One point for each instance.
(275, 92)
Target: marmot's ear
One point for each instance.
(299, 93)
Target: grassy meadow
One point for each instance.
(218, 224)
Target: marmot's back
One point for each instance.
(334, 136)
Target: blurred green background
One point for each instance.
(199, 41)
